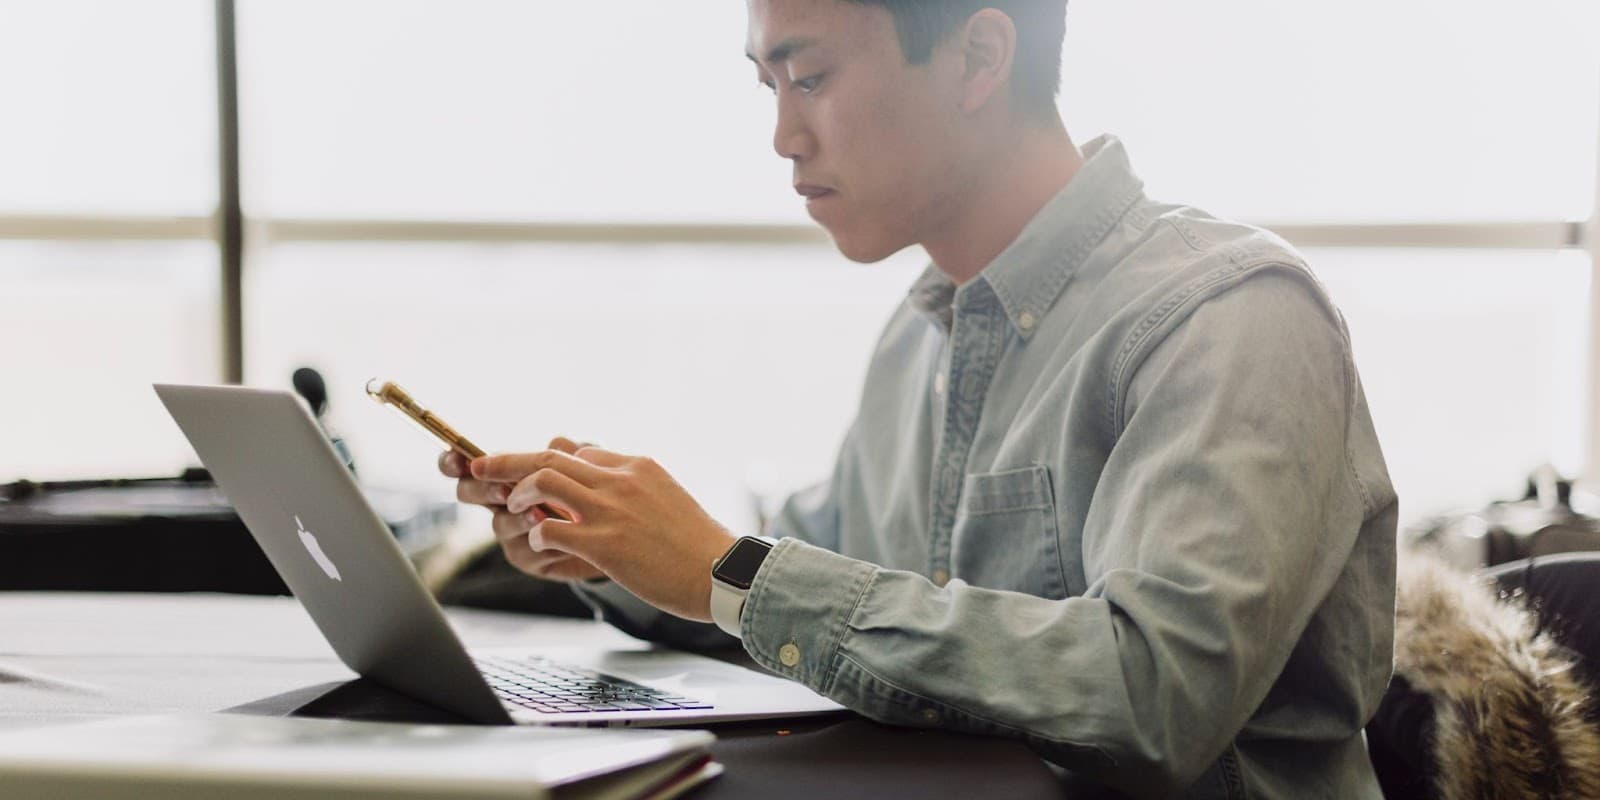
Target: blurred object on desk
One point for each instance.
(162, 535)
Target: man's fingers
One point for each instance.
(452, 464)
(600, 456)
(518, 555)
(555, 565)
(552, 534)
(482, 493)
(518, 487)
(543, 560)
(553, 487)
(566, 445)
(551, 565)
(513, 467)
(511, 529)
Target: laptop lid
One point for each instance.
(339, 558)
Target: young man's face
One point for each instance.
(876, 142)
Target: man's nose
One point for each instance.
(792, 138)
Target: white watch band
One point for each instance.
(727, 603)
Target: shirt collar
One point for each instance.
(1030, 273)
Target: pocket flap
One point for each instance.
(1011, 490)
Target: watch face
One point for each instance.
(739, 566)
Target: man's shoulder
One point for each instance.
(1173, 246)
(1172, 259)
(1164, 263)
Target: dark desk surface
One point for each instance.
(70, 656)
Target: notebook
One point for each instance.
(285, 758)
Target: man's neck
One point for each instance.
(994, 210)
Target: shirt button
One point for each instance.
(789, 654)
(938, 383)
(940, 577)
(1025, 320)
(930, 716)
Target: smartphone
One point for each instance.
(390, 394)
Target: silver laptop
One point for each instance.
(305, 510)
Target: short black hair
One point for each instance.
(1041, 26)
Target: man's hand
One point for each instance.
(629, 518)
(511, 530)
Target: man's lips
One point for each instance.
(811, 191)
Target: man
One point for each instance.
(1112, 487)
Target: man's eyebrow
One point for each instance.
(782, 50)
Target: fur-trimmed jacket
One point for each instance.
(1482, 705)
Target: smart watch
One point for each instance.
(731, 578)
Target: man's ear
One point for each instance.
(989, 47)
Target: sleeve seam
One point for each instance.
(1144, 339)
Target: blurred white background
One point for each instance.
(734, 361)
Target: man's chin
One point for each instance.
(865, 249)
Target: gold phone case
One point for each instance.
(390, 394)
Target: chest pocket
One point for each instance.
(1005, 533)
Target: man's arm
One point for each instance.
(1224, 515)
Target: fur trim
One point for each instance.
(1508, 708)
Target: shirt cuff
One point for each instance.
(798, 608)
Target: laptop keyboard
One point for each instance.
(550, 687)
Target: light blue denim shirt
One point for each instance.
(1119, 496)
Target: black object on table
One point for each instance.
(158, 535)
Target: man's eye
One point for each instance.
(809, 85)
(768, 84)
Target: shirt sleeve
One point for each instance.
(1224, 513)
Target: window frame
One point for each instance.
(237, 236)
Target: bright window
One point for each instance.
(89, 327)
(107, 107)
(735, 363)
(506, 109)
(1473, 364)
(1359, 110)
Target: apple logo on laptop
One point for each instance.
(315, 549)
